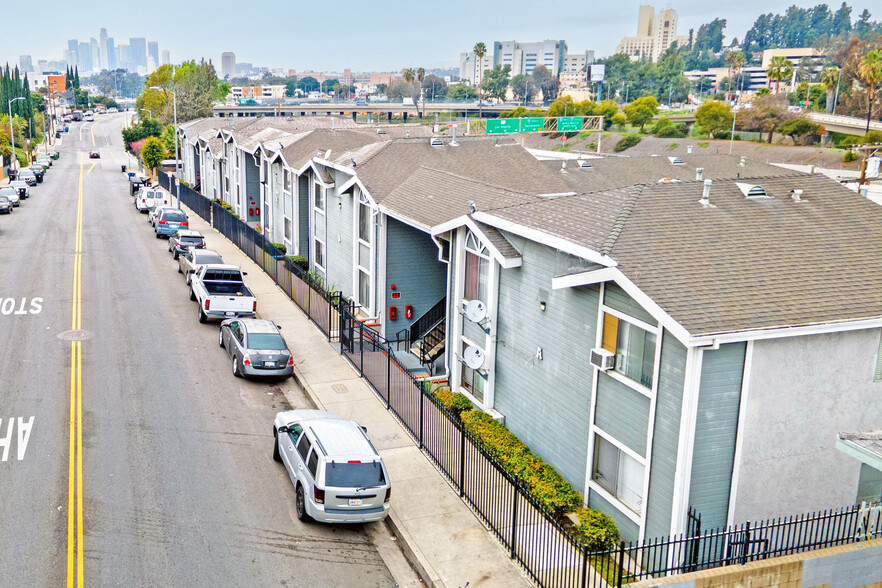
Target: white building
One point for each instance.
(656, 31)
(470, 71)
(228, 65)
(524, 57)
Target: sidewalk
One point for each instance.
(437, 532)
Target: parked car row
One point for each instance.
(19, 187)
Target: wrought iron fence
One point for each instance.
(189, 197)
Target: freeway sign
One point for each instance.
(569, 123)
(532, 125)
(503, 125)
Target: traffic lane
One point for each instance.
(179, 473)
(36, 261)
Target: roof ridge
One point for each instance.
(622, 218)
(383, 146)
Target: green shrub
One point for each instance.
(299, 261)
(281, 247)
(873, 137)
(669, 132)
(543, 482)
(672, 146)
(851, 141)
(596, 530)
(849, 156)
(704, 143)
(454, 402)
(626, 143)
(662, 123)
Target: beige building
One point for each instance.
(656, 31)
(795, 55)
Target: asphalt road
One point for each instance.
(129, 455)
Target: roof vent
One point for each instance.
(699, 173)
(675, 160)
(689, 149)
(668, 181)
(436, 142)
(743, 161)
(752, 190)
(705, 194)
(796, 194)
(563, 166)
(584, 164)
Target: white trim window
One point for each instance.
(634, 347)
(364, 267)
(618, 473)
(477, 269)
(470, 380)
(319, 227)
(288, 233)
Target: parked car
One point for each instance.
(5, 205)
(26, 175)
(12, 195)
(23, 190)
(94, 155)
(256, 348)
(158, 206)
(192, 260)
(221, 292)
(46, 159)
(169, 221)
(38, 170)
(338, 475)
(181, 241)
(145, 198)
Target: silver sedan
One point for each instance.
(256, 348)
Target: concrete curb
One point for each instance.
(412, 553)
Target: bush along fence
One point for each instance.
(523, 501)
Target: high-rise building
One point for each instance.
(111, 53)
(96, 54)
(102, 50)
(138, 50)
(656, 31)
(84, 58)
(72, 48)
(470, 70)
(524, 57)
(166, 58)
(152, 54)
(26, 64)
(228, 65)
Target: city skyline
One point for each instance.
(366, 40)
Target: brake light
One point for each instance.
(162, 222)
(318, 494)
(185, 224)
(207, 304)
(388, 494)
(246, 360)
(254, 308)
(291, 360)
(353, 461)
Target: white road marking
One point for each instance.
(7, 306)
(24, 435)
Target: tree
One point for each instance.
(480, 51)
(547, 82)
(710, 36)
(641, 111)
(522, 88)
(495, 84)
(153, 152)
(767, 112)
(619, 120)
(798, 127)
(434, 88)
(736, 60)
(168, 140)
(308, 84)
(290, 86)
(830, 79)
(461, 93)
(714, 117)
(779, 69)
(870, 75)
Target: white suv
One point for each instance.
(337, 473)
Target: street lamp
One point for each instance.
(177, 166)
(12, 132)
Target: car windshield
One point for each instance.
(174, 216)
(4, 200)
(8, 191)
(354, 475)
(208, 258)
(266, 341)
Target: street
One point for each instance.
(129, 454)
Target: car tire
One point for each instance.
(236, 371)
(157, 234)
(220, 337)
(179, 267)
(202, 317)
(276, 455)
(192, 295)
(175, 256)
(300, 505)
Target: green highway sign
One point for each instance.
(569, 123)
(533, 125)
(503, 125)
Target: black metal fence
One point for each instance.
(189, 197)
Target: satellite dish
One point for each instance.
(476, 311)
(473, 357)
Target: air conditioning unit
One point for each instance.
(603, 359)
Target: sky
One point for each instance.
(384, 35)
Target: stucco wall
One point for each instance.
(803, 391)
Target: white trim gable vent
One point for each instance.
(436, 142)
(752, 190)
(675, 161)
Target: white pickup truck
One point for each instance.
(221, 293)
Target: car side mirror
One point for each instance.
(244, 273)
(363, 428)
(283, 429)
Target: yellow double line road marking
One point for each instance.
(75, 446)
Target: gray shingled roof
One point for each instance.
(869, 440)
(616, 172)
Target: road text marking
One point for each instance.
(24, 434)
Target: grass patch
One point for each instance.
(608, 568)
(704, 144)
(672, 146)
(565, 147)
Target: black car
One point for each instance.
(180, 241)
(5, 205)
(94, 155)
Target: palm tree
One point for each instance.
(480, 51)
(780, 68)
(830, 79)
(736, 61)
(421, 75)
(870, 74)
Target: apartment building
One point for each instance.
(656, 31)
(524, 57)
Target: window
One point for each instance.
(471, 379)
(287, 181)
(294, 432)
(364, 289)
(312, 463)
(319, 197)
(303, 447)
(618, 473)
(288, 229)
(364, 221)
(477, 270)
(320, 254)
(634, 348)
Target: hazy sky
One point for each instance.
(384, 35)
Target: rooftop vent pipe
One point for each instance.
(705, 195)
(796, 194)
(688, 148)
(743, 161)
(453, 142)
(699, 173)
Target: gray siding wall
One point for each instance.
(252, 179)
(665, 436)
(615, 297)
(473, 332)
(412, 265)
(802, 392)
(716, 426)
(546, 402)
(303, 208)
(628, 528)
(622, 412)
(338, 241)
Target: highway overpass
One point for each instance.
(849, 125)
(378, 109)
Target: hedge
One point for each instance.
(626, 142)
